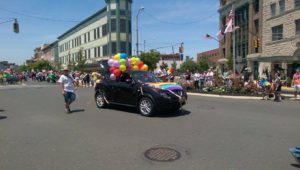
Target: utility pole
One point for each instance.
(144, 46)
(137, 31)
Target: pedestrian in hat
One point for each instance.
(67, 86)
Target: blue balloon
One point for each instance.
(123, 55)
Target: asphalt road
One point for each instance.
(210, 133)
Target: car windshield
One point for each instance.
(145, 77)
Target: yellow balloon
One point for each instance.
(122, 68)
(135, 68)
(117, 57)
(137, 60)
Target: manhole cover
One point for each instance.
(162, 154)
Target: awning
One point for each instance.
(253, 57)
(276, 59)
(223, 60)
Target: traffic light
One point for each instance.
(181, 49)
(258, 42)
(16, 26)
(255, 43)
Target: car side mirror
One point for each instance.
(129, 81)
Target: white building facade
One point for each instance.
(100, 36)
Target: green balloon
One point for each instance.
(122, 62)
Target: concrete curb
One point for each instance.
(235, 97)
(224, 96)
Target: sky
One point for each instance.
(162, 24)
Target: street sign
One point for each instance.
(239, 59)
(239, 67)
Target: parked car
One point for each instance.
(141, 90)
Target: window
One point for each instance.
(105, 51)
(277, 33)
(113, 25)
(256, 25)
(282, 6)
(88, 37)
(95, 34)
(122, 25)
(104, 30)
(122, 13)
(129, 27)
(85, 38)
(114, 47)
(297, 3)
(256, 5)
(273, 10)
(98, 32)
(297, 22)
(123, 47)
(113, 12)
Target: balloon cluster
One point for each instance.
(264, 83)
(121, 63)
(170, 71)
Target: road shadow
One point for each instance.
(123, 109)
(3, 117)
(181, 112)
(77, 111)
(296, 165)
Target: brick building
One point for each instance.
(213, 56)
(281, 36)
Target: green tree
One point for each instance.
(230, 63)
(23, 67)
(151, 59)
(203, 64)
(190, 65)
(40, 65)
(80, 61)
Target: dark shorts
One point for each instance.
(69, 97)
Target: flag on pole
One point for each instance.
(220, 35)
(230, 26)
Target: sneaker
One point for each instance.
(68, 110)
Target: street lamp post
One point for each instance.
(137, 30)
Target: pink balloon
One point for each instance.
(112, 77)
(117, 64)
(110, 62)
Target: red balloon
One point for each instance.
(171, 70)
(140, 64)
(117, 72)
(112, 69)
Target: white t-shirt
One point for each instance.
(67, 82)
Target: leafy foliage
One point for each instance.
(151, 59)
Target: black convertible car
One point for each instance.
(141, 90)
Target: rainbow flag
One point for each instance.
(165, 86)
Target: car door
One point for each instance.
(111, 94)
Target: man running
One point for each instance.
(67, 86)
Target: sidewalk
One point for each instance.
(287, 94)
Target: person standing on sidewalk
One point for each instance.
(67, 86)
(296, 82)
(196, 80)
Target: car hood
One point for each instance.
(165, 86)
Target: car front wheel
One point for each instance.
(146, 107)
(100, 99)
